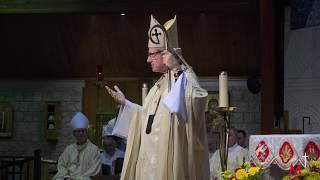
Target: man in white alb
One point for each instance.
(81, 160)
(237, 155)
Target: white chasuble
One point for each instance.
(159, 145)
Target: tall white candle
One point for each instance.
(144, 91)
(223, 89)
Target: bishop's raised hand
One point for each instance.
(117, 95)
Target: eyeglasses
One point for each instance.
(153, 54)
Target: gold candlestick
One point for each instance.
(224, 136)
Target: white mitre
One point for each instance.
(107, 129)
(79, 121)
(165, 36)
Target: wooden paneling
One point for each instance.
(268, 99)
(68, 46)
(77, 6)
(212, 43)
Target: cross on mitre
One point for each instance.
(163, 36)
(157, 34)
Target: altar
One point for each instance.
(284, 150)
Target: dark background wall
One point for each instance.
(222, 35)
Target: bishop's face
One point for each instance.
(155, 59)
(80, 135)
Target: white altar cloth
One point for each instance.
(284, 150)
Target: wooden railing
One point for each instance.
(20, 168)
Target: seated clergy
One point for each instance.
(237, 155)
(80, 160)
(111, 152)
(213, 140)
(242, 138)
